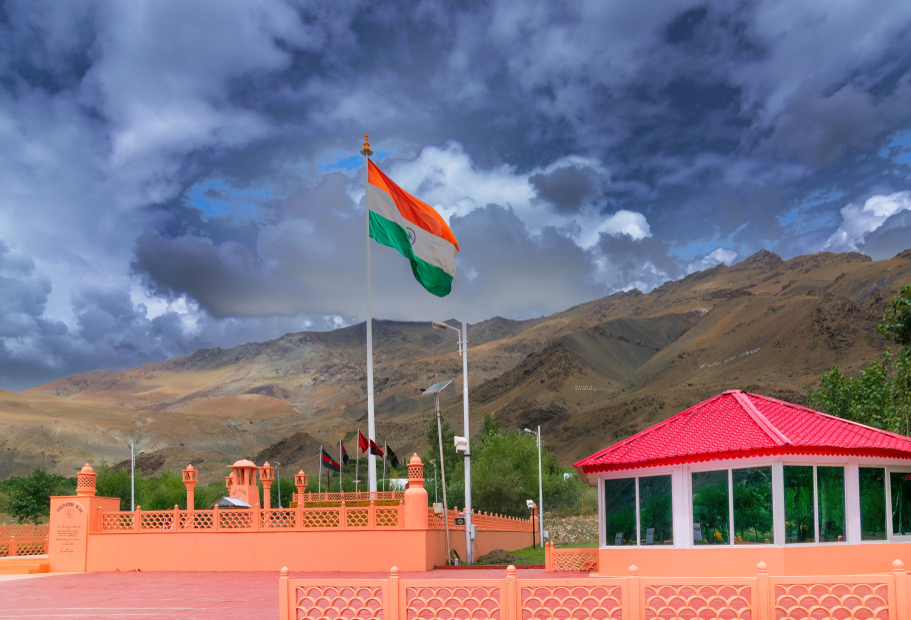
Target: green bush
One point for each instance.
(30, 497)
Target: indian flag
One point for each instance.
(403, 222)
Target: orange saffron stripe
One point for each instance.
(412, 209)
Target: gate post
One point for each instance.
(512, 597)
(633, 604)
(391, 598)
(902, 604)
(761, 606)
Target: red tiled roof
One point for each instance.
(737, 425)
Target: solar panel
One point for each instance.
(436, 388)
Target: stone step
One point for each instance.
(24, 565)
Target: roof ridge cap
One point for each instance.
(835, 417)
(763, 422)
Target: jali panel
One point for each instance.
(453, 602)
(339, 602)
(358, 517)
(157, 520)
(116, 521)
(279, 518)
(573, 560)
(235, 519)
(844, 601)
(387, 517)
(31, 548)
(202, 520)
(315, 517)
(575, 603)
(703, 602)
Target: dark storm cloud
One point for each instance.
(567, 187)
(178, 173)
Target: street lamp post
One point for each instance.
(132, 483)
(463, 351)
(540, 487)
(278, 477)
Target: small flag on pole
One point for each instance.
(362, 441)
(393, 459)
(375, 449)
(415, 229)
(329, 462)
(344, 455)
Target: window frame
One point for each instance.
(602, 525)
(890, 527)
(705, 467)
(815, 465)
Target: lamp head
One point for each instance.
(530, 504)
(439, 325)
(141, 452)
(528, 430)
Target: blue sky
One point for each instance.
(178, 175)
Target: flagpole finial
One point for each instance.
(366, 152)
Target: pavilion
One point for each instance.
(742, 478)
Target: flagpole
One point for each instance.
(371, 430)
(341, 463)
(319, 478)
(357, 461)
(384, 464)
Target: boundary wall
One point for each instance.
(89, 533)
(761, 596)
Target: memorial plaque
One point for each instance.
(697, 531)
(650, 536)
(618, 539)
(67, 535)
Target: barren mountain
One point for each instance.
(589, 376)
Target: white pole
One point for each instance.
(385, 447)
(132, 486)
(371, 426)
(278, 476)
(319, 478)
(469, 547)
(436, 406)
(540, 492)
(357, 461)
(341, 466)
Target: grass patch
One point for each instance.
(535, 555)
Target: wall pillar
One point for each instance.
(267, 476)
(852, 503)
(415, 496)
(190, 478)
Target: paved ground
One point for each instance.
(187, 596)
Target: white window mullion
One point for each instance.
(638, 537)
(886, 483)
(731, 506)
(815, 505)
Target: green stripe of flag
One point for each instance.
(431, 277)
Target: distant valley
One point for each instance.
(590, 375)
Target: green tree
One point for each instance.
(30, 497)
(881, 395)
(116, 483)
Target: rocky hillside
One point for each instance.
(589, 376)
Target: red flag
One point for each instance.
(362, 441)
(375, 449)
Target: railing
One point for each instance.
(483, 521)
(22, 530)
(255, 519)
(569, 560)
(360, 496)
(761, 597)
(23, 545)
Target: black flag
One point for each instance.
(393, 459)
(344, 455)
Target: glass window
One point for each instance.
(620, 511)
(656, 524)
(901, 502)
(752, 505)
(872, 503)
(711, 510)
(798, 504)
(830, 487)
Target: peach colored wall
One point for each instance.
(485, 542)
(366, 551)
(727, 561)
